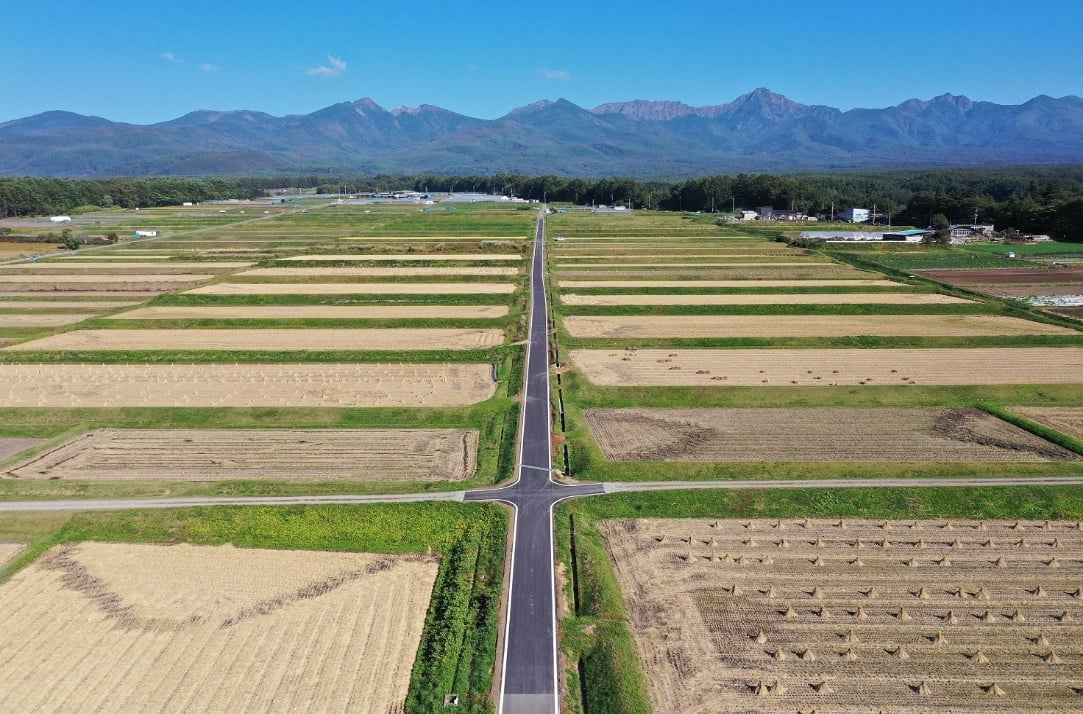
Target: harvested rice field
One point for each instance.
(9, 551)
(9, 446)
(298, 339)
(104, 279)
(14, 251)
(843, 616)
(40, 319)
(646, 326)
(64, 304)
(32, 292)
(245, 385)
(267, 455)
(405, 257)
(425, 271)
(815, 434)
(315, 312)
(812, 272)
(1067, 420)
(870, 283)
(215, 629)
(107, 267)
(760, 299)
(355, 289)
(831, 367)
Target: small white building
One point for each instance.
(749, 215)
(60, 219)
(146, 234)
(854, 215)
(965, 233)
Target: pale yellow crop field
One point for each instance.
(765, 299)
(214, 629)
(355, 289)
(320, 312)
(39, 319)
(9, 551)
(861, 283)
(1067, 420)
(405, 257)
(645, 326)
(260, 454)
(108, 267)
(106, 278)
(245, 385)
(831, 367)
(64, 304)
(380, 272)
(291, 340)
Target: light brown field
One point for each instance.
(645, 326)
(355, 289)
(14, 251)
(106, 266)
(406, 257)
(33, 292)
(843, 616)
(727, 283)
(763, 299)
(326, 312)
(437, 238)
(214, 629)
(378, 272)
(245, 385)
(103, 278)
(9, 446)
(39, 319)
(814, 271)
(298, 339)
(831, 367)
(815, 434)
(268, 455)
(1067, 420)
(564, 265)
(9, 551)
(64, 304)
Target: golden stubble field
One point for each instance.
(260, 454)
(831, 367)
(424, 271)
(9, 551)
(842, 616)
(245, 385)
(747, 283)
(355, 289)
(319, 312)
(645, 326)
(216, 629)
(766, 299)
(294, 339)
(911, 434)
(1068, 420)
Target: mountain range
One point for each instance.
(759, 131)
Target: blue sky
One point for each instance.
(141, 62)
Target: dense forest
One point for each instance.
(1045, 200)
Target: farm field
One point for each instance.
(355, 289)
(404, 257)
(843, 614)
(381, 272)
(647, 326)
(244, 385)
(52, 319)
(1007, 276)
(106, 266)
(9, 304)
(815, 434)
(13, 250)
(340, 629)
(9, 446)
(1067, 420)
(291, 454)
(239, 339)
(812, 272)
(9, 551)
(315, 312)
(745, 283)
(45, 282)
(831, 367)
(765, 299)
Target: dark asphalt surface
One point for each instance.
(529, 673)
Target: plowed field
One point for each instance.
(9, 446)
(815, 434)
(645, 326)
(405, 257)
(244, 385)
(52, 319)
(758, 299)
(214, 629)
(324, 312)
(812, 367)
(305, 339)
(844, 616)
(279, 454)
(1003, 276)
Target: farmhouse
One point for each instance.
(965, 233)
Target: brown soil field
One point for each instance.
(848, 615)
(1067, 420)
(564, 257)
(9, 446)
(274, 455)
(645, 326)
(673, 265)
(298, 339)
(758, 299)
(355, 289)
(671, 271)
(214, 629)
(831, 367)
(727, 283)
(9, 551)
(140, 291)
(1001, 276)
(105, 267)
(377, 272)
(245, 385)
(329, 312)
(408, 257)
(145, 278)
(1027, 290)
(438, 238)
(815, 434)
(64, 304)
(1076, 312)
(39, 319)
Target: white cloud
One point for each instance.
(561, 75)
(170, 57)
(333, 68)
(209, 68)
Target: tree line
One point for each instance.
(1045, 200)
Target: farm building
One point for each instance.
(914, 235)
(854, 215)
(964, 233)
